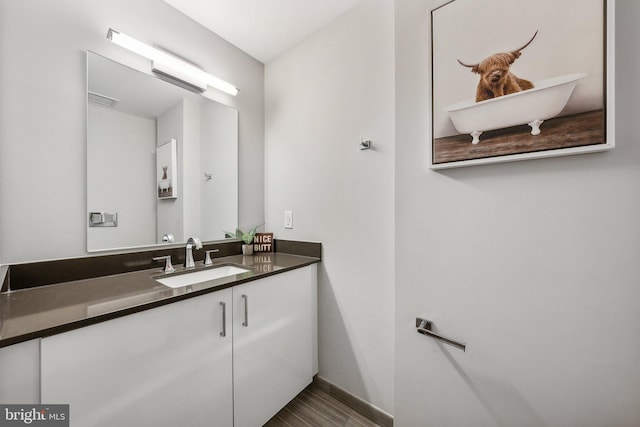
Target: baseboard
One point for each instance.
(359, 405)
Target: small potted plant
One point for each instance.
(246, 237)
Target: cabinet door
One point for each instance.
(167, 366)
(20, 373)
(274, 341)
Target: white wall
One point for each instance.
(42, 111)
(534, 264)
(219, 158)
(190, 170)
(119, 184)
(321, 97)
(170, 212)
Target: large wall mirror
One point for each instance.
(162, 161)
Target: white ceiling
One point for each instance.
(263, 28)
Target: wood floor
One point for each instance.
(314, 407)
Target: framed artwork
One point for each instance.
(516, 80)
(167, 171)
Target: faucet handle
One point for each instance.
(207, 258)
(168, 267)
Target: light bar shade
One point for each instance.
(171, 65)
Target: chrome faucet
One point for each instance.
(188, 259)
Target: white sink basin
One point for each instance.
(200, 276)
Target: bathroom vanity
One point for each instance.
(230, 351)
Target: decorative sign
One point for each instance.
(263, 242)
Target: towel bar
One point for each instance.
(424, 328)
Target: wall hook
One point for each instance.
(208, 176)
(365, 144)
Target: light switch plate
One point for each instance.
(288, 219)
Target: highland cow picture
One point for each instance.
(514, 80)
(166, 166)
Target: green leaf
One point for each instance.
(247, 237)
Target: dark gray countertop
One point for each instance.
(52, 309)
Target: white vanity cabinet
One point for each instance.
(275, 343)
(20, 373)
(167, 366)
(174, 365)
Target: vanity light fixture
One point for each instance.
(164, 63)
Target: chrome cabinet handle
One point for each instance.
(223, 333)
(424, 328)
(246, 310)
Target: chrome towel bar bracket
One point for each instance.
(424, 328)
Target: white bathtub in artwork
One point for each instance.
(532, 107)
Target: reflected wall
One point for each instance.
(129, 116)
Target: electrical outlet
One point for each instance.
(288, 219)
